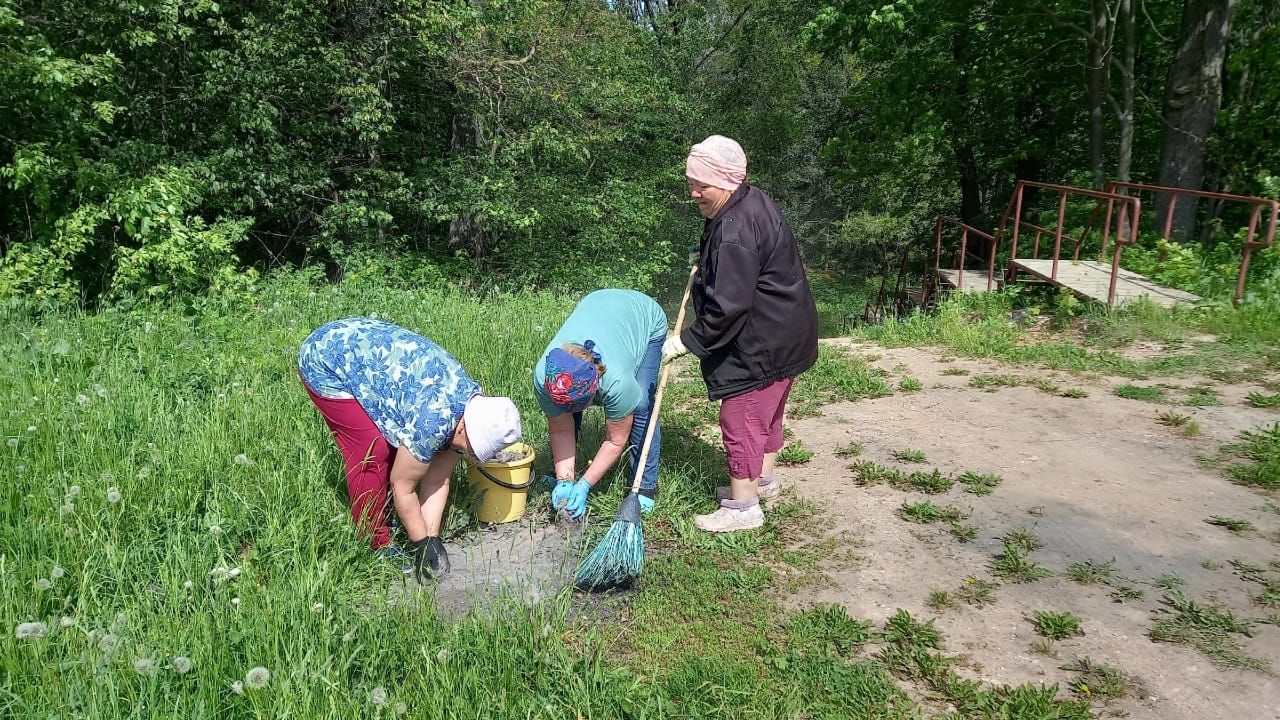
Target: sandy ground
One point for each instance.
(1096, 479)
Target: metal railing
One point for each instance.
(1257, 206)
(963, 254)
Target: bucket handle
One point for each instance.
(503, 483)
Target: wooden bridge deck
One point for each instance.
(974, 280)
(1092, 279)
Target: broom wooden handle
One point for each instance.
(662, 385)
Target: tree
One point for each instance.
(1192, 99)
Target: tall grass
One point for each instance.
(173, 516)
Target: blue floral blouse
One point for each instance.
(412, 389)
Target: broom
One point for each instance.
(619, 558)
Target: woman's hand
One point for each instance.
(576, 505)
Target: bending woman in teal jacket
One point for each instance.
(608, 353)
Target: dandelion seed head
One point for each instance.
(66, 621)
(43, 584)
(233, 573)
(237, 687)
(31, 428)
(443, 655)
(378, 697)
(242, 459)
(235, 601)
(146, 667)
(349, 636)
(318, 607)
(147, 327)
(144, 472)
(257, 678)
(73, 492)
(57, 572)
(109, 643)
(546, 630)
(12, 443)
(113, 495)
(215, 530)
(82, 399)
(101, 391)
(188, 585)
(182, 664)
(401, 708)
(66, 508)
(30, 630)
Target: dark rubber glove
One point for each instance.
(430, 560)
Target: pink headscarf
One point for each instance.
(717, 161)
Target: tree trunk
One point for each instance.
(1124, 160)
(1192, 98)
(1096, 86)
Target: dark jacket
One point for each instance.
(755, 317)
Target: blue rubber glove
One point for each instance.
(577, 504)
(646, 504)
(560, 494)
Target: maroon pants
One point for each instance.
(367, 457)
(751, 424)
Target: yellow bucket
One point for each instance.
(504, 486)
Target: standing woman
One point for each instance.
(403, 412)
(608, 352)
(755, 327)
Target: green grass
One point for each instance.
(1014, 565)
(1259, 400)
(955, 371)
(977, 592)
(1090, 572)
(925, 512)
(978, 325)
(1075, 393)
(1137, 392)
(1095, 681)
(1023, 539)
(933, 482)
(794, 453)
(1260, 451)
(1056, 625)
(853, 449)
(991, 383)
(979, 483)
(964, 533)
(193, 419)
(838, 375)
(1208, 628)
(940, 600)
(1202, 396)
(1124, 593)
(910, 456)
(910, 384)
(1235, 525)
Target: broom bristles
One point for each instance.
(619, 558)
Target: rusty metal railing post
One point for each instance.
(1017, 220)
(1035, 247)
(1245, 254)
(1057, 236)
(1106, 228)
(964, 250)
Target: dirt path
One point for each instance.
(1097, 479)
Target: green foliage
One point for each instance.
(1013, 565)
(164, 151)
(1208, 628)
(1138, 392)
(827, 629)
(1260, 448)
(1057, 625)
(979, 483)
(926, 512)
(794, 453)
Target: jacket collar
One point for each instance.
(734, 199)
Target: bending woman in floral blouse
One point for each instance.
(403, 412)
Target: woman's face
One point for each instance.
(709, 198)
